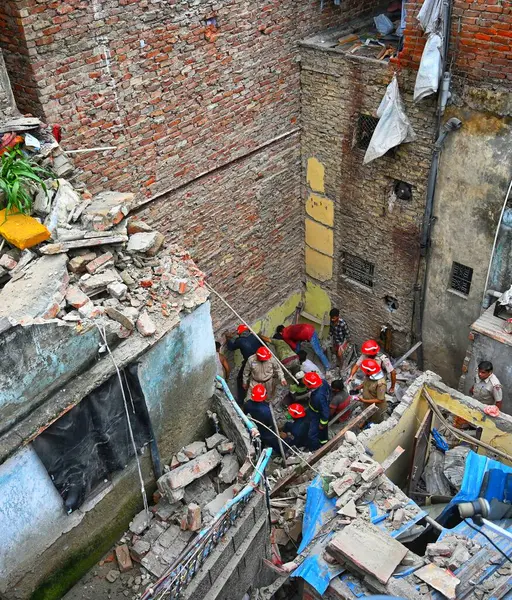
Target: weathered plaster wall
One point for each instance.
(487, 348)
(473, 179)
(41, 545)
(347, 203)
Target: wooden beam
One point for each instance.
(325, 449)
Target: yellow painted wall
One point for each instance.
(319, 237)
(321, 209)
(319, 266)
(278, 315)
(492, 435)
(316, 300)
(400, 435)
(315, 175)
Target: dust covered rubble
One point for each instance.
(100, 265)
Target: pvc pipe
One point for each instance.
(248, 423)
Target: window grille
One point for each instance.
(461, 277)
(365, 127)
(358, 269)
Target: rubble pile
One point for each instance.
(452, 551)
(82, 258)
(202, 477)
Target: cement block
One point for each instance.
(185, 474)
(229, 468)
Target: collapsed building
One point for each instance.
(228, 142)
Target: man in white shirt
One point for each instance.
(306, 365)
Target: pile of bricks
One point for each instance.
(81, 258)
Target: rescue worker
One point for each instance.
(295, 432)
(298, 391)
(284, 353)
(340, 400)
(487, 387)
(258, 408)
(263, 368)
(306, 365)
(371, 349)
(319, 409)
(247, 343)
(293, 335)
(374, 388)
(339, 334)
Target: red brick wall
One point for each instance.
(481, 39)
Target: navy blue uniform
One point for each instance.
(261, 412)
(298, 431)
(247, 343)
(319, 415)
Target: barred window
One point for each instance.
(365, 127)
(358, 269)
(461, 277)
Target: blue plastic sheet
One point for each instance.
(318, 510)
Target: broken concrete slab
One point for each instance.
(147, 243)
(201, 491)
(94, 284)
(194, 450)
(141, 522)
(440, 549)
(213, 507)
(106, 210)
(185, 474)
(164, 510)
(137, 226)
(39, 293)
(214, 440)
(440, 579)
(229, 468)
(349, 510)
(154, 532)
(368, 548)
(139, 550)
(75, 297)
(62, 247)
(152, 562)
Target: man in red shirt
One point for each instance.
(293, 335)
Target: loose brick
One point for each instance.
(123, 558)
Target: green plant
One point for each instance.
(16, 174)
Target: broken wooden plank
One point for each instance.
(368, 548)
(331, 445)
(420, 448)
(395, 455)
(62, 247)
(442, 580)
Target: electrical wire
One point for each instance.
(488, 539)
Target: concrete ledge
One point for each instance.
(232, 426)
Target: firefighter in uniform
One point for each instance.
(319, 401)
(258, 408)
(295, 432)
(263, 368)
(371, 349)
(374, 388)
(487, 387)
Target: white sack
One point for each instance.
(429, 73)
(430, 16)
(393, 128)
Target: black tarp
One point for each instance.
(92, 440)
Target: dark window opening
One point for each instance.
(391, 303)
(403, 190)
(358, 269)
(365, 127)
(461, 277)
(92, 440)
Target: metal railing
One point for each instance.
(179, 574)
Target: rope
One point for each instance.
(250, 329)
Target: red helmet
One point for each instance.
(370, 348)
(259, 393)
(263, 353)
(370, 367)
(297, 411)
(241, 328)
(312, 380)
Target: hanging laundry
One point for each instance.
(429, 73)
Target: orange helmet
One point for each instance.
(297, 411)
(370, 367)
(312, 380)
(259, 393)
(241, 329)
(370, 348)
(263, 353)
